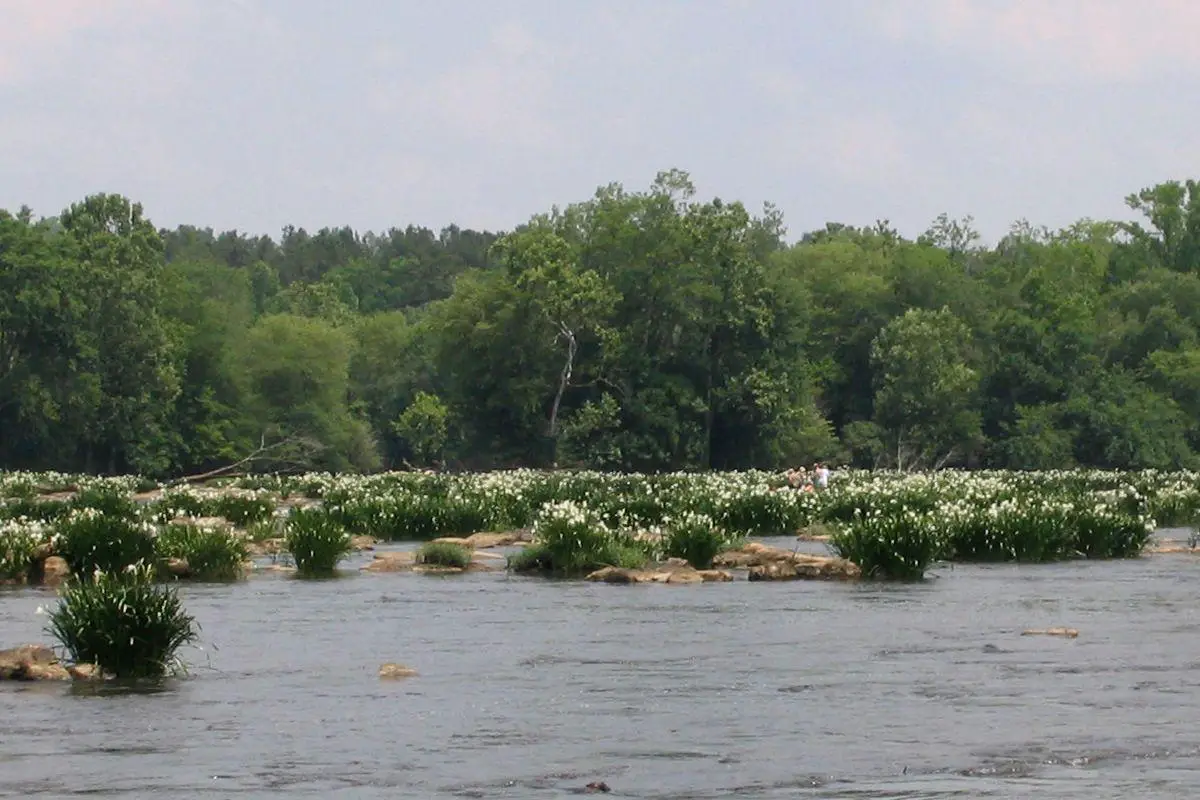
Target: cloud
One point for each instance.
(1054, 41)
(38, 35)
(500, 97)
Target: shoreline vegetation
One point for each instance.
(117, 548)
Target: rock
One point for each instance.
(437, 569)
(596, 787)
(396, 671)
(485, 541)
(178, 567)
(1068, 633)
(674, 571)
(31, 662)
(85, 672)
(360, 543)
(1172, 547)
(767, 563)
(206, 523)
(714, 575)
(267, 547)
(55, 571)
(394, 561)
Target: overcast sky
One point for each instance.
(253, 114)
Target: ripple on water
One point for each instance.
(534, 689)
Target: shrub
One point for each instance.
(18, 545)
(316, 541)
(212, 554)
(695, 538)
(122, 622)
(242, 510)
(897, 545)
(570, 540)
(91, 540)
(106, 499)
(444, 554)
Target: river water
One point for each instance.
(532, 689)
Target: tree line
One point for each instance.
(644, 330)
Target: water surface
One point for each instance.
(531, 689)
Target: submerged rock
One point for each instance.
(395, 561)
(406, 561)
(1068, 633)
(766, 563)
(396, 671)
(360, 543)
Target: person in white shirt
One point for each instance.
(821, 475)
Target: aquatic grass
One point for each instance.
(33, 509)
(91, 540)
(212, 554)
(123, 622)
(695, 538)
(243, 510)
(316, 541)
(892, 546)
(570, 540)
(19, 544)
(444, 554)
(107, 499)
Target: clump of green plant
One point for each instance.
(33, 509)
(122, 622)
(444, 554)
(316, 541)
(212, 554)
(570, 540)
(106, 499)
(242, 510)
(695, 538)
(898, 545)
(91, 540)
(18, 546)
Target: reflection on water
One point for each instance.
(533, 689)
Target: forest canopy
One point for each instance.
(647, 331)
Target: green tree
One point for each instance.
(925, 391)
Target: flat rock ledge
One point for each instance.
(36, 662)
(673, 571)
(406, 561)
(766, 563)
(486, 541)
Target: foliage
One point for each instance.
(19, 542)
(422, 427)
(570, 540)
(122, 622)
(316, 541)
(696, 539)
(642, 331)
(444, 554)
(212, 554)
(90, 540)
(897, 545)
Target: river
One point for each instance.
(532, 689)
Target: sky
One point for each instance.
(256, 114)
